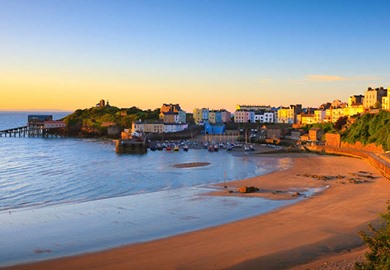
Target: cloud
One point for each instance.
(333, 78)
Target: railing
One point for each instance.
(15, 131)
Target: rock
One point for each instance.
(295, 194)
(246, 189)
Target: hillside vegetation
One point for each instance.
(91, 122)
(370, 128)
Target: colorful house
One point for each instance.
(214, 128)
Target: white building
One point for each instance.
(158, 127)
(143, 127)
(168, 128)
(264, 117)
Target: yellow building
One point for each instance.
(373, 97)
(355, 99)
(355, 109)
(200, 116)
(286, 115)
(319, 116)
(386, 103)
(308, 119)
(333, 114)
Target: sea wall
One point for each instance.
(130, 147)
(374, 160)
(366, 147)
(334, 140)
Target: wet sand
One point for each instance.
(321, 229)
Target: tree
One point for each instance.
(378, 241)
(341, 122)
(377, 105)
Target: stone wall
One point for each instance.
(368, 147)
(332, 140)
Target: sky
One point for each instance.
(69, 54)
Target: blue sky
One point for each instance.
(197, 53)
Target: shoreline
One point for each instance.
(320, 226)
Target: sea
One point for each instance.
(67, 196)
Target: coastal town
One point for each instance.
(290, 125)
(284, 125)
(173, 119)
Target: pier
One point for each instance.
(32, 131)
(15, 132)
(38, 126)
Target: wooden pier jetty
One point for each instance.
(31, 131)
(38, 126)
(15, 132)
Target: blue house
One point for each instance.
(214, 128)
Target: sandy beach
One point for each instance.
(317, 232)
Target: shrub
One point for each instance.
(378, 241)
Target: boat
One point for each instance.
(216, 147)
(211, 148)
(159, 147)
(246, 148)
(176, 148)
(153, 147)
(168, 148)
(229, 147)
(185, 148)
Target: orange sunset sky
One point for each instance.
(68, 55)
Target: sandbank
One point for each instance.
(322, 228)
(191, 164)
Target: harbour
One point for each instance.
(45, 182)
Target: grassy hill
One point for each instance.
(90, 122)
(370, 128)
